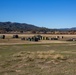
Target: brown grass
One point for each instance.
(10, 41)
(51, 59)
(40, 55)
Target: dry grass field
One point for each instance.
(9, 40)
(46, 57)
(28, 35)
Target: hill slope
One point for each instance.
(9, 26)
(14, 26)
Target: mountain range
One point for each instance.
(14, 26)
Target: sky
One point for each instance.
(42, 13)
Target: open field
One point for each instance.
(28, 35)
(46, 57)
(19, 41)
(9, 40)
(38, 59)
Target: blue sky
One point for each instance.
(42, 13)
